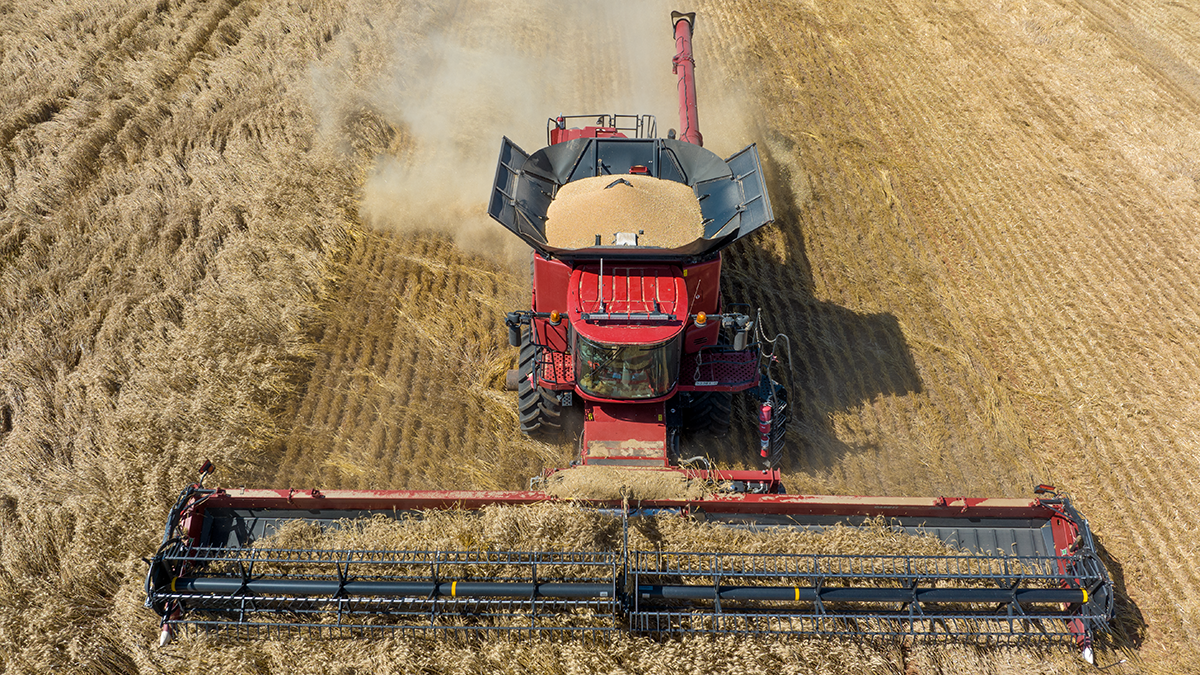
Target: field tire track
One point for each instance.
(1174, 73)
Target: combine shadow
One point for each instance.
(1128, 629)
(840, 358)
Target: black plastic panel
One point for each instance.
(755, 203)
(520, 198)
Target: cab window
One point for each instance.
(626, 371)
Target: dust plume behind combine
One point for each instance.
(499, 70)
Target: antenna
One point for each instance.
(600, 285)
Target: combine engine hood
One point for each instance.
(627, 303)
(732, 193)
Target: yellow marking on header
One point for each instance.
(797, 593)
(1084, 595)
(453, 589)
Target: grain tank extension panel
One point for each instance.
(732, 193)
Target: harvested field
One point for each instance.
(666, 213)
(252, 232)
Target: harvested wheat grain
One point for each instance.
(612, 483)
(667, 213)
(606, 482)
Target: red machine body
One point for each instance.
(635, 332)
(638, 304)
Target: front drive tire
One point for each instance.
(538, 410)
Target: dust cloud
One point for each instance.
(454, 102)
(491, 71)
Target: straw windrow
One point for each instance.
(606, 482)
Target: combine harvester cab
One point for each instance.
(633, 329)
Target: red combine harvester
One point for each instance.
(638, 332)
(640, 335)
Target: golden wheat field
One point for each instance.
(254, 232)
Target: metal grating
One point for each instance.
(718, 370)
(556, 369)
(941, 626)
(986, 598)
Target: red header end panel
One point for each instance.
(550, 281)
(704, 295)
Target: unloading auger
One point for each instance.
(640, 334)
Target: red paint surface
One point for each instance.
(620, 422)
(560, 135)
(703, 282)
(628, 288)
(550, 280)
(685, 68)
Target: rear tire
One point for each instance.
(538, 410)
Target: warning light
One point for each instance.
(701, 319)
(555, 318)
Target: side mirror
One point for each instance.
(741, 336)
(513, 321)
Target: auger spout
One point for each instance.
(685, 68)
